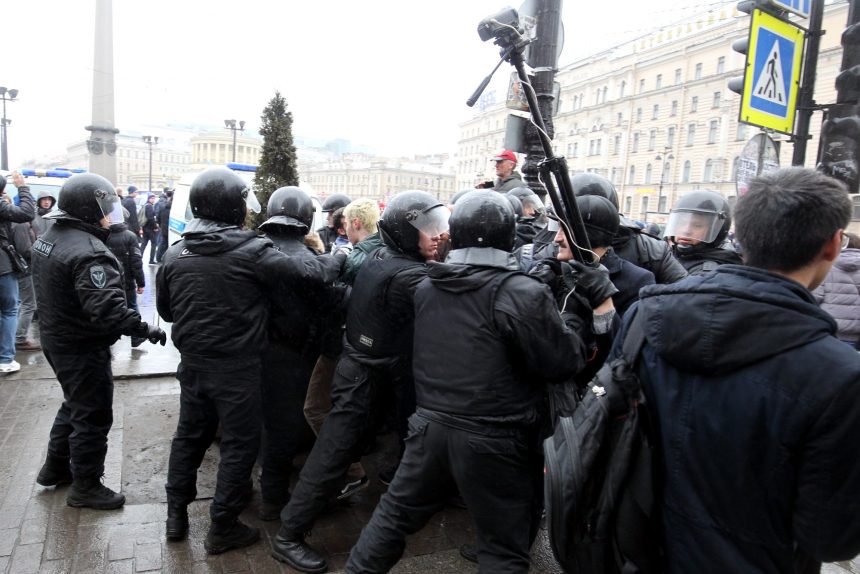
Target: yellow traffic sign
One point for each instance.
(772, 76)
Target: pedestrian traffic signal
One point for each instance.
(741, 46)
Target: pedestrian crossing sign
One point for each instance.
(772, 76)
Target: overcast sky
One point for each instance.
(390, 74)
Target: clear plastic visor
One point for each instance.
(251, 201)
(107, 200)
(116, 214)
(695, 225)
(432, 221)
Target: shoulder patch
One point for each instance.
(98, 276)
(43, 247)
(186, 253)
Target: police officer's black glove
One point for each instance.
(152, 333)
(592, 283)
(549, 272)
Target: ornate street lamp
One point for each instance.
(231, 125)
(4, 158)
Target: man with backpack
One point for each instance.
(754, 402)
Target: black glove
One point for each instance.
(592, 283)
(150, 332)
(549, 272)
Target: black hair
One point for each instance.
(787, 216)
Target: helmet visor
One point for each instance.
(693, 225)
(106, 200)
(116, 213)
(433, 221)
(251, 201)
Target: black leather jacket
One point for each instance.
(649, 253)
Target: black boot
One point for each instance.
(177, 522)
(291, 549)
(227, 536)
(90, 492)
(469, 552)
(54, 472)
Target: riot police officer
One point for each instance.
(328, 233)
(629, 243)
(698, 227)
(377, 358)
(295, 331)
(215, 285)
(476, 427)
(82, 312)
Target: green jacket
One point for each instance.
(359, 253)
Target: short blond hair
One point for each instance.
(366, 211)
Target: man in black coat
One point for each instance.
(163, 216)
(755, 402)
(376, 359)
(476, 428)
(82, 312)
(216, 286)
(129, 203)
(149, 229)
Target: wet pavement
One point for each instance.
(39, 533)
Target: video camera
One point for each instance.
(503, 27)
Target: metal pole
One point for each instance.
(805, 100)
(149, 143)
(4, 160)
(234, 143)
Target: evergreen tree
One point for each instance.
(278, 158)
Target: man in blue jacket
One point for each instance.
(755, 402)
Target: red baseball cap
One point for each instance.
(506, 154)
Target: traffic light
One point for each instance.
(736, 83)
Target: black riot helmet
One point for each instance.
(290, 206)
(221, 195)
(483, 219)
(87, 197)
(593, 184)
(457, 195)
(516, 205)
(703, 216)
(406, 214)
(335, 201)
(529, 199)
(600, 217)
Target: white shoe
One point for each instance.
(10, 367)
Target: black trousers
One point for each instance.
(84, 419)
(341, 441)
(286, 374)
(498, 473)
(150, 236)
(231, 397)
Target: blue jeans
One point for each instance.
(8, 316)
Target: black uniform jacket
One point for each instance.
(648, 253)
(126, 246)
(79, 289)
(487, 338)
(216, 286)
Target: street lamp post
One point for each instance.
(660, 157)
(4, 157)
(150, 141)
(231, 125)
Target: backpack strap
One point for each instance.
(633, 340)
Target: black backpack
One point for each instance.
(601, 508)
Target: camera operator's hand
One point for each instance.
(592, 283)
(17, 179)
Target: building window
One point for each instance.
(735, 163)
(655, 113)
(604, 94)
(708, 174)
(713, 128)
(638, 115)
(622, 89)
(685, 176)
(635, 147)
(674, 111)
(575, 101)
(698, 73)
(648, 170)
(644, 205)
(652, 139)
(641, 85)
(742, 132)
(631, 175)
(717, 97)
(618, 119)
(659, 83)
(721, 64)
(575, 150)
(628, 203)
(616, 147)
(570, 149)
(691, 134)
(616, 175)
(694, 104)
(677, 76)
(670, 136)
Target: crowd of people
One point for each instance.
(450, 322)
